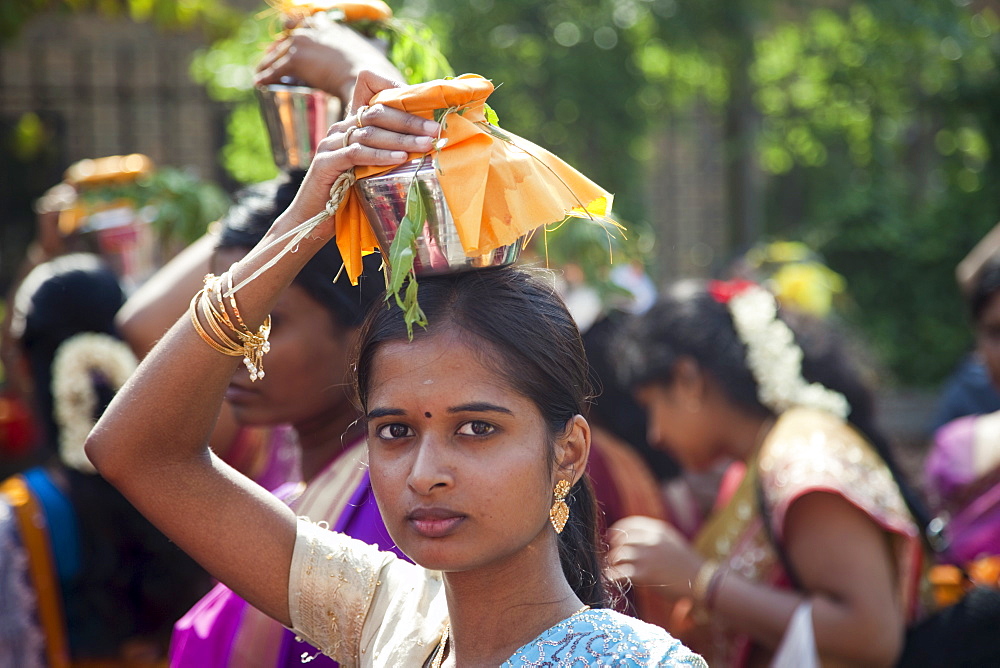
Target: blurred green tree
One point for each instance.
(867, 129)
(214, 17)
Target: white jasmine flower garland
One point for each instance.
(73, 393)
(775, 360)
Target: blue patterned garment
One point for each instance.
(604, 638)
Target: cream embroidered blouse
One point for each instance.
(366, 608)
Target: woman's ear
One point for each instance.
(572, 450)
(690, 386)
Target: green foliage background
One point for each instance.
(872, 123)
(871, 128)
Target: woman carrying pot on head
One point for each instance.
(476, 452)
(819, 516)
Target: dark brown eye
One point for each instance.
(476, 428)
(394, 430)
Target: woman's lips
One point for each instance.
(434, 522)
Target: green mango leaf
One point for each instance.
(491, 116)
(401, 257)
(416, 204)
(412, 313)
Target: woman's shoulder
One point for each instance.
(813, 451)
(806, 440)
(605, 637)
(342, 591)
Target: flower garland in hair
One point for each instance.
(73, 393)
(774, 359)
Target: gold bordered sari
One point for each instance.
(805, 451)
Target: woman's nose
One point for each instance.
(431, 467)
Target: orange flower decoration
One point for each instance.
(354, 10)
(498, 186)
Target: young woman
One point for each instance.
(818, 515)
(475, 440)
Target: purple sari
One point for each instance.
(213, 632)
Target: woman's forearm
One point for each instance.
(763, 613)
(150, 442)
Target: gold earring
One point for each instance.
(559, 512)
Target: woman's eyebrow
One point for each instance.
(479, 407)
(385, 412)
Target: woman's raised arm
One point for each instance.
(151, 442)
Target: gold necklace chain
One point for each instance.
(443, 645)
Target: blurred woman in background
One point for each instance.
(305, 397)
(819, 517)
(83, 576)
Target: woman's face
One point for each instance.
(988, 337)
(306, 371)
(677, 424)
(460, 462)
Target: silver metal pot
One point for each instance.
(438, 247)
(297, 118)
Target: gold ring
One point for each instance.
(347, 135)
(358, 118)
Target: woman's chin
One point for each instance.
(433, 558)
(698, 464)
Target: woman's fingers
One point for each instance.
(378, 138)
(368, 120)
(269, 68)
(385, 137)
(381, 127)
(368, 85)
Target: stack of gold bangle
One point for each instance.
(248, 345)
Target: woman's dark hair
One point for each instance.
(688, 322)
(250, 217)
(59, 299)
(613, 406)
(534, 345)
(986, 285)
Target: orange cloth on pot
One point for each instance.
(498, 186)
(354, 10)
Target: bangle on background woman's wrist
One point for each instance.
(702, 580)
(714, 585)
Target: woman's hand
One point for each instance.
(376, 135)
(650, 552)
(329, 57)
